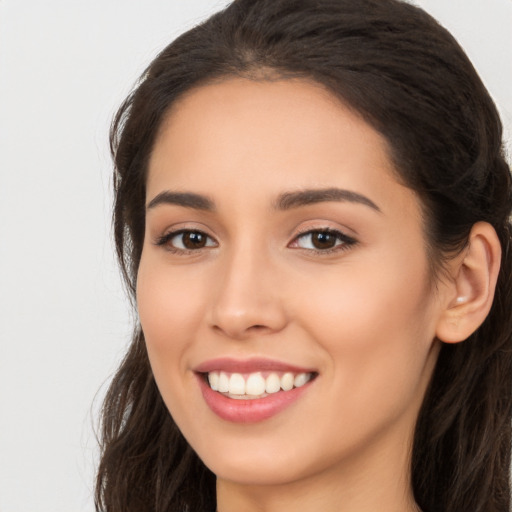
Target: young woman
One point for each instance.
(312, 214)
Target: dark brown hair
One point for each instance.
(410, 80)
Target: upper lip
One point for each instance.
(231, 365)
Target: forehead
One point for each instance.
(266, 136)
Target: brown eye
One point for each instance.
(323, 240)
(186, 240)
(194, 240)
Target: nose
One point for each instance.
(247, 300)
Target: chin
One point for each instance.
(255, 473)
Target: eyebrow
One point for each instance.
(290, 200)
(185, 199)
(285, 201)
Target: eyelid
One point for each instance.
(347, 241)
(343, 241)
(163, 240)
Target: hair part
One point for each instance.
(408, 78)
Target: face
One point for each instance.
(284, 262)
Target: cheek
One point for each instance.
(169, 307)
(167, 302)
(364, 314)
(377, 330)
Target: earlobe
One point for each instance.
(474, 276)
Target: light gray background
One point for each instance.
(65, 65)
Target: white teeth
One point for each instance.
(223, 383)
(287, 381)
(273, 383)
(301, 379)
(255, 384)
(236, 384)
(213, 379)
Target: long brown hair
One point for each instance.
(410, 80)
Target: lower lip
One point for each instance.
(249, 411)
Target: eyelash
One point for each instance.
(345, 241)
(166, 239)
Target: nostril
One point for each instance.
(242, 332)
(258, 328)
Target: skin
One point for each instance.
(363, 315)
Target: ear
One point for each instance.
(471, 291)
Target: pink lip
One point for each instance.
(248, 411)
(230, 365)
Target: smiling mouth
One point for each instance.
(251, 386)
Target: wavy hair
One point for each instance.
(409, 79)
